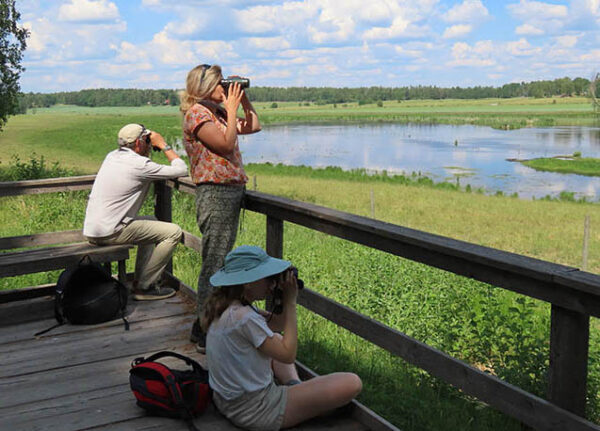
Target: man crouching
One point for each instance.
(116, 197)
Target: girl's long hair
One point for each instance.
(197, 87)
(218, 301)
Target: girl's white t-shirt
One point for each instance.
(235, 364)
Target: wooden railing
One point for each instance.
(574, 295)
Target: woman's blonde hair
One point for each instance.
(200, 82)
(218, 301)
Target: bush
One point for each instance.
(34, 169)
(379, 104)
(274, 105)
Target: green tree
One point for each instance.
(12, 45)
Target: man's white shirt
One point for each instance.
(120, 189)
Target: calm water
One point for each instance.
(478, 158)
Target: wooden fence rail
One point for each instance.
(574, 295)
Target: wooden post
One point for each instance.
(586, 240)
(122, 271)
(372, 205)
(274, 245)
(569, 341)
(274, 237)
(163, 208)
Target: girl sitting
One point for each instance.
(252, 371)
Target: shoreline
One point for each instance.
(504, 114)
(574, 165)
(414, 179)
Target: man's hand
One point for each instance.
(157, 140)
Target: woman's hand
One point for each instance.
(289, 284)
(283, 349)
(233, 99)
(212, 137)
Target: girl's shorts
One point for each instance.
(258, 410)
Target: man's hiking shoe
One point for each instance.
(196, 331)
(153, 294)
(199, 337)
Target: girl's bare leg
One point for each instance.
(319, 395)
(284, 372)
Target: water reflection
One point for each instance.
(476, 154)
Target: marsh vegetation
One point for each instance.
(498, 331)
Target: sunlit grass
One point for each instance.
(577, 165)
(491, 328)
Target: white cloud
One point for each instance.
(591, 57)
(261, 19)
(336, 29)
(567, 41)
(468, 11)
(189, 27)
(52, 40)
(268, 43)
(528, 10)
(522, 48)
(528, 30)
(400, 28)
(404, 52)
(327, 21)
(479, 55)
(456, 31)
(176, 52)
(88, 10)
(38, 35)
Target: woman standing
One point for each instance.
(210, 130)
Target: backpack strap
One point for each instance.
(195, 365)
(122, 306)
(37, 334)
(173, 386)
(58, 315)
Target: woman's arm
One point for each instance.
(250, 123)
(275, 322)
(212, 137)
(283, 349)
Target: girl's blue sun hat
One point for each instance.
(246, 264)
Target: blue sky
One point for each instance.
(78, 44)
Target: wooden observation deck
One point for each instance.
(76, 377)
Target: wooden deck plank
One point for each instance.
(45, 259)
(77, 378)
(115, 405)
(74, 349)
(39, 386)
(136, 312)
(13, 314)
(100, 335)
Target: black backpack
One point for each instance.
(87, 294)
(163, 391)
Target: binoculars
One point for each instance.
(243, 82)
(278, 293)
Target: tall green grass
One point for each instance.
(497, 331)
(577, 165)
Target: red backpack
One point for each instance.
(162, 391)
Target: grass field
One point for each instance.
(497, 331)
(52, 131)
(577, 165)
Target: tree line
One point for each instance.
(319, 95)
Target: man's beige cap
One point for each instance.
(131, 132)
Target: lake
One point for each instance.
(474, 155)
